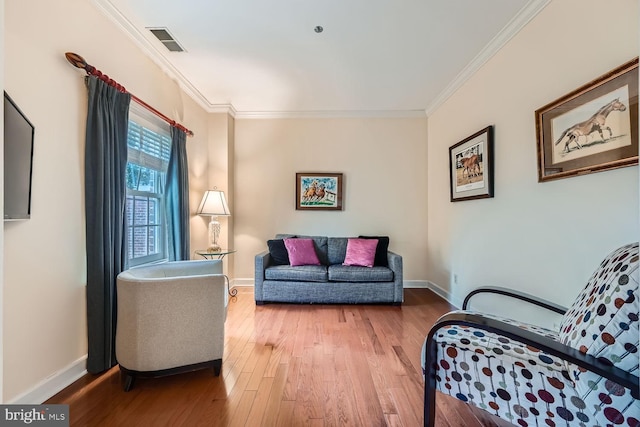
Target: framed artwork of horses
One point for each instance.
(471, 166)
(594, 128)
(318, 191)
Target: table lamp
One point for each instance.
(214, 204)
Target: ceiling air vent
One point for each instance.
(166, 39)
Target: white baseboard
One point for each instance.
(405, 283)
(53, 384)
(242, 282)
(408, 284)
(444, 294)
(67, 376)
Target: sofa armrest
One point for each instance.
(395, 264)
(262, 261)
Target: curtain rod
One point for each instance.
(79, 62)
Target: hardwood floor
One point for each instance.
(290, 365)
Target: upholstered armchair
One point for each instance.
(583, 374)
(170, 319)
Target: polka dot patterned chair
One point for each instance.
(584, 374)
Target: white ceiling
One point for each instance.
(263, 58)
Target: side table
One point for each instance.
(214, 255)
(219, 255)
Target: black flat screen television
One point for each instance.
(18, 162)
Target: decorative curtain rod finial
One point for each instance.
(79, 62)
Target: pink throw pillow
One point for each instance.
(301, 252)
(360, 252)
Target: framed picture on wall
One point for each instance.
(471, 167)
(318, 191)
(591, 129)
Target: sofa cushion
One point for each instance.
(302, 273)
(381, 249)
(336, 249)
(351, 273)
(301, 252)
(360, 252)
(278, 252)
(320, 243)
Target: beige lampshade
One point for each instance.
(214, 203)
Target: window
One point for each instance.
(149, 146)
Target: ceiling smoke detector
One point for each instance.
(166, 39)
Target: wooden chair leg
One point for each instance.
(217, 367)
(128, 381)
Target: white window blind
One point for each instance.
(149, 145)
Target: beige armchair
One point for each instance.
(170, 319)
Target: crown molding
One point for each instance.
(387, 114)
(222, 108)
(153, 52)
(509, 31)
(528, 12)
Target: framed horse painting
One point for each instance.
(318, 191)
(471, 167)
(594, 128)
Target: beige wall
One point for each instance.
(220, 175)
(545, 238)
(44, 257)
(385, 183)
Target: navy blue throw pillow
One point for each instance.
(278, 251)
(381, 250)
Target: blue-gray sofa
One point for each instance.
(331, 282)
